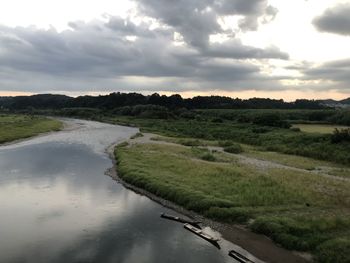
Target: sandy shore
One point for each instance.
(67, 126)
(258, 245)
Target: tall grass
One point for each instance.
(317, 146)
(299, 211)
(13, 127)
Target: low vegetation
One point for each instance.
(137, 135)
(341, 135)
(13, 127)
(234, 148)
(318, 128)
(173, 116)
(298, 210)
(276, 139)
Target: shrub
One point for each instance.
(334, 251)
(340, 135)
(271, 119)
(208, 157)
(260, 130)
(225, 143)
(190, 142)
(234, 148)
(137, 135)
(217, 120)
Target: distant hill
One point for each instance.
(346, 101)
(336, 103)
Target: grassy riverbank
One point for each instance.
(276, 139)
(299, 210)
(14, 127)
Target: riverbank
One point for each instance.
(15, 128)
(282, 204)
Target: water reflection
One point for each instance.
(56, 205)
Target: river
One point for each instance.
(58, 205)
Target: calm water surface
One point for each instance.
(57, 205)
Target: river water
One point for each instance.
(57, 205)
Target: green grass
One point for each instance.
(313, 145)
(318, 128)
(256, 152)
(299, 162)
(185, 141)
(343, 172)
(13, 127)
(298, 210)
(286, 159)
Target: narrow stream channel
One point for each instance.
(57, 205)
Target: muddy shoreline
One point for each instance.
(258, 245)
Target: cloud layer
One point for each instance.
(111, 50)
(162, 45)
(336, 71)
(335, 20)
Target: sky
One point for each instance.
(238, 48)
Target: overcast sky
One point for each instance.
(240, 48)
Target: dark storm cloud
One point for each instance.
(104, 53)
(335, 20)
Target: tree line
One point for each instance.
(118, 100)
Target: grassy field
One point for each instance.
(298, 210)
(300, 162)
(185, 141)
(314, 145)
(266, 129)
(13, 127)
(275, 157)
(318, 128)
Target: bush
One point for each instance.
(234, 148)
(225, 143)
(271, 119)
(190, 142)
(137, 135)
(260, 130)
(208, 157)
(217, 120)
(334, 251)
(340, 135)
(144, 111)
